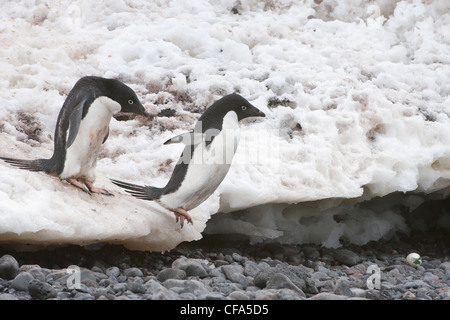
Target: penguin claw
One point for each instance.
(93, 189)
(182, 215)
(79, 185)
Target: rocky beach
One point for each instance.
(226, 268)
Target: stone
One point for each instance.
(311, 253)
(238, 295)
(21, 281)
(251, 269)
(9, 267)
(234, 273)
(162, 293)
(296, 274)
(37, 273)
(41, 290)
(358, 292)
(132, 272)
(170, 273)
(135, 287)
(186, 286)
(346, 257)
(327, 296)
(342, 288)
(281, 281)
(445, 266)
(192, 267)
(112, 272)
(7, 296)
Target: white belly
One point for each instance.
(81, 156)
(207, 169)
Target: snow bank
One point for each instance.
(356, 96)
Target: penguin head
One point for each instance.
(231, 102)
(242, 107)
(126, 97)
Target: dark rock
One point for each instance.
(296, 274)
(9, 267)
(346, 257)
(311, 253)
(192, 267)
(41, 290)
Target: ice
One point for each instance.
(356, 96)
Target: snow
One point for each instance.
(356, 96)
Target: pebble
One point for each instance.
(281, 281)
(21, 281)
(170, 273)
(9, 267)
(239, 271)
(41, 290)
(132, 272)
(346, 257)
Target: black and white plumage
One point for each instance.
(81, 128)
(205, 160)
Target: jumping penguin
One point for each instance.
(205, 160)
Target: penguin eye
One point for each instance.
(244, 108)
(130, 101)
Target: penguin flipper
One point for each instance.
(106, 136)
(30, 165)
(74, 122)
(188, 138)
(140, 192)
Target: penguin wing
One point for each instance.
(106, 136)
(74, 122)
(188, 138)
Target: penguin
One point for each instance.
(81, 129)
(205, 160)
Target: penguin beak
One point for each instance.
(141, 111)
(257, 113)
(260, 114)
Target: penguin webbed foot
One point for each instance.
(79, 185)
(93, 189)
(182, 215)
(88, 187)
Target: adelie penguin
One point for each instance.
(81, 129)
(205, 160)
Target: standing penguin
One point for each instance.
(82, 127)
(205, 160)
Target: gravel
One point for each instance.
(221, 268)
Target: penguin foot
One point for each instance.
(97, 190)
(79, 184)
(182, 215)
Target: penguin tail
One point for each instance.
(30, 165)
(140, 192)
